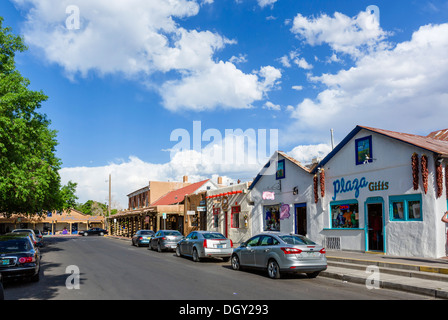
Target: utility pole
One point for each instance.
(108, 209)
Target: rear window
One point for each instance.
(14, 245)
(172, 233)
(296, 239)
(213, 236)
(147, 232)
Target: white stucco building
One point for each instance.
(374, 200)
(282, 196)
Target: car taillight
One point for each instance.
(205, 243)
(291, 250)
(323, 251)
(26, 259)
(164, 238)
(231, 244)
(140, 238)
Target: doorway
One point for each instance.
(375, 227)
(301, 223)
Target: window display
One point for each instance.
(344, 215)
(272, 218)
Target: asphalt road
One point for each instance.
(112, 269)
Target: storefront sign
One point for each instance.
(201, 209)
(191, 213)
(342, 186)
(267, 195)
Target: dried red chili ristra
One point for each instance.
(322, 183)
(316, 195)
(425, 172)
(415, 170)
(439, 179)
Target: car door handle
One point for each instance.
(267, 250)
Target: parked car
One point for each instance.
(280, 252)
(30, 232)
(142, 237)
(2, 292)
(19, 258)
(93, 232)
(165, 240)
(205, 244)
(36, 241)
(39, 236)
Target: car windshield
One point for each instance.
(22, 230)
(296, 239)
(9, 245)
(173, 233)
(146, 232)
(213, 236)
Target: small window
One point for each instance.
(363, 150)
(406, 207)
(280, 173)
(235, 217)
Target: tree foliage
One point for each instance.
(29, 179)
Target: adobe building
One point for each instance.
(57, 222)
(383, 191)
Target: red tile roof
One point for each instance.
(177, 196)
(439, 135)
(429, 143)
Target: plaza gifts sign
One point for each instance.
(343, 186)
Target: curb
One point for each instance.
(384, 284)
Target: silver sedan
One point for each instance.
(205, 244)
(165, 240)
(280, 252)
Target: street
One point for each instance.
(112, 269)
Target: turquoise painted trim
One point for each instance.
(373, 200)
(343, 229)
(405, 199)
(300, 205)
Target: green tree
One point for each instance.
(29, 178)
(68, 196)
(93, 208)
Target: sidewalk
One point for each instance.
(412, 274)
(428, 277)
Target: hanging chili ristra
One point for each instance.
(439, 179)
(415, 170)
(446, 180)
(316, 195)
(322, 183)
(425, 172)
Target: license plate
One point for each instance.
(144, 241)
(219, 246)
(5, 262)
(311, 254)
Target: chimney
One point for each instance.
(219, 180)
(185, 179)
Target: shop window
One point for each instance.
(235, 217)
(406, 207)
(272, 218)
(363, 150)
(344, 214)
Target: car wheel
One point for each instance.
(178, 251)
(85, 234)
(236, 263)
(101, 234)
(312, 275)
(196, 255)
(36, 277)
(273, 269)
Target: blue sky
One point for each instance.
(135, 71)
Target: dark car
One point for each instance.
(93, 232)
(19, 258)
(142, 237)
(165, 240)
